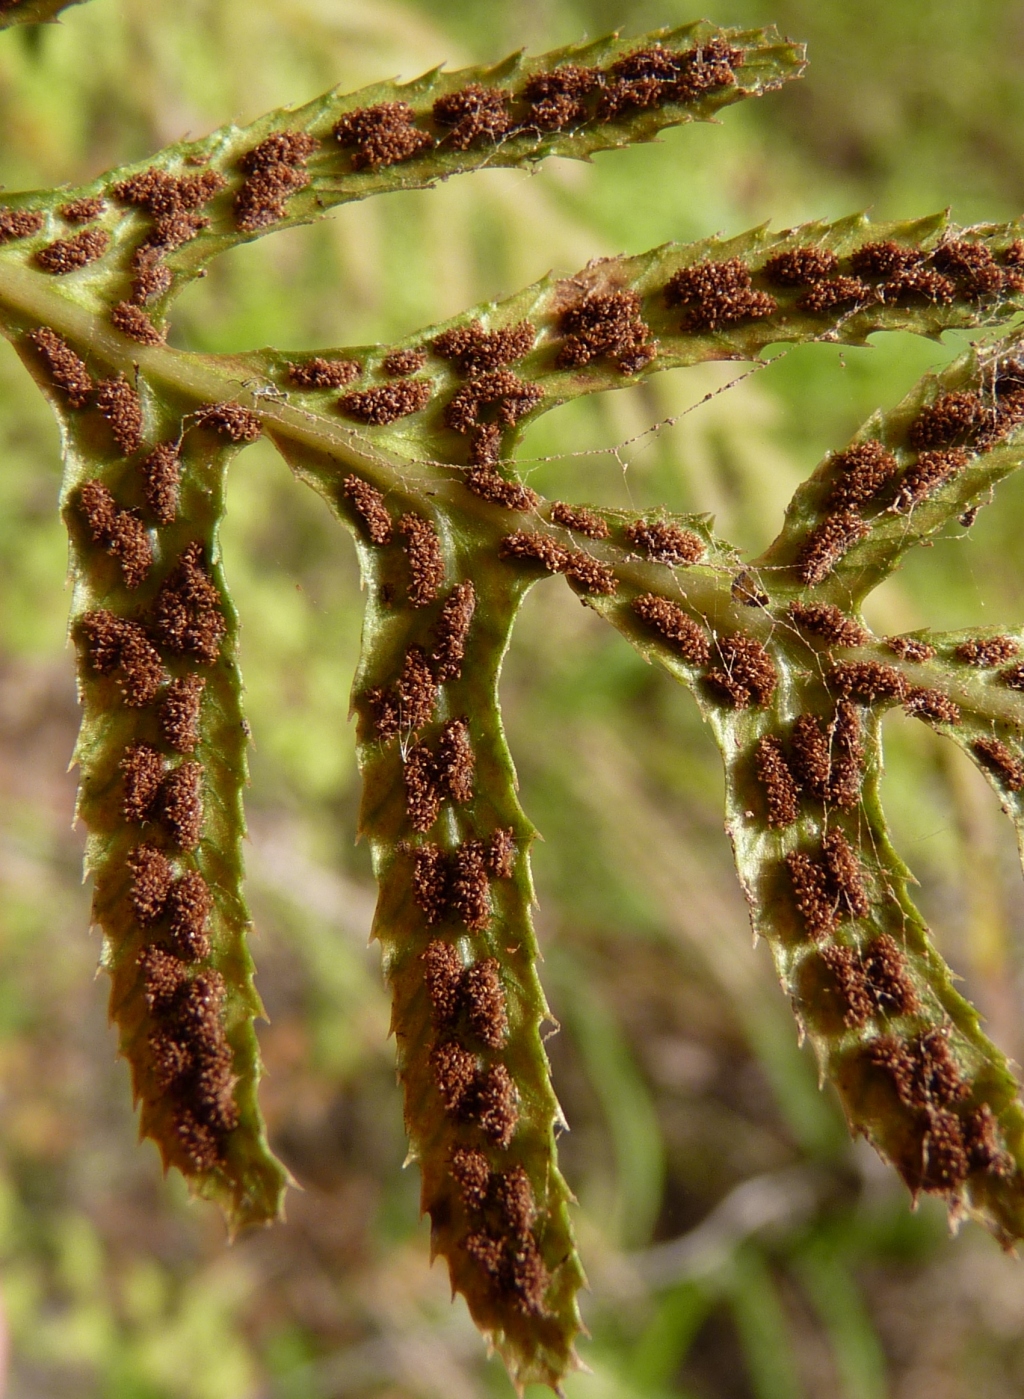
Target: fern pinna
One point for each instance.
(412, 446)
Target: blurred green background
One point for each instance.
(738, 1245)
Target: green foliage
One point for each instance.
(481, 527)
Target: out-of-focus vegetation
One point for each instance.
(738, 1244)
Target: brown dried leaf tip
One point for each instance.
(477, 351)
(236, 423)
(426, 559)
(368, 503)
(665, 542)
(606, 323)
(67, 370)
(1001, 761)
(320, 373)
(651, 77)
(717, 294)
(684, 634)
(187, 616)
(120, 404)
(474, 113)
(66, 255)
(274, 169)
(382, 135)
(747, 675)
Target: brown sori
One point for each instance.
(848, 975)
(910, 648)
(470, 886)
(19, 223)
(919, 283)
(67, 370)
(484, 999)
(82, 210)
(839, 293)
(717, 294)
(369, 505)
(668, 618)
(606, 323)
(512, 495)
(971, 265)
(382, 135)
(451, 632)
(474, 113)
(776, 776)
(580, 519)
(801, 267)
(130, 320)
(422, 792)
(1013, 676)
(161, 479)
(535, 548)
(236, 423)
(142, 772)
(888, 981)
(400, 363)
(510, 397)
(829, 622)
(274, 170)
(884, 259)
(1002, 761)
(442, 976)
(812, 894)
(119, 403)
(152, 877)
(665, 542)
(555, 98)
(860, 473)
(929, 472)
(116, 644)
(846, 756)
(748, 675)
(179, 713)
(811, 756)
(475, 350)
(319, 373)
(189, 905)
(181, 804)
(987, 651)
(950, 418)
(867, 681)
(410, 704)
(426, 560)
(845, 876)
(430, 883)
(828, 543)
(66, 255)
(187, 616)
(386, 403)
(589, 574)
